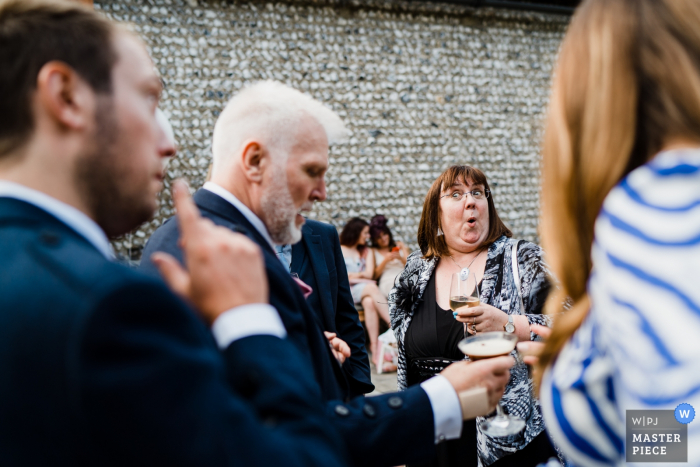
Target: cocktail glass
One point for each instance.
(490, 345)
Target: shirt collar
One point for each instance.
(245, 210)
(67, 214)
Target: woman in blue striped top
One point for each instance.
(621, 224)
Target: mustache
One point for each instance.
(306, 207)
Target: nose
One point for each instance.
(166, 136)
(167, 150)
(470, 201)
(319, 192)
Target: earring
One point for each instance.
(439, 232)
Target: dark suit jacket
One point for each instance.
(318, 260)
(103, 365)
(386, 430)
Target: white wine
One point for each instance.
(462, 301)
(488, 348)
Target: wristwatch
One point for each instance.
(509, 327)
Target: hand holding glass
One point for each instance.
(490, 345)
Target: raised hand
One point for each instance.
(491, 374)
(224, 269)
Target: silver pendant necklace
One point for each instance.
(465, 271)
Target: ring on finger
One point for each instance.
(474, 328)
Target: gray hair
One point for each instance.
(270, 111)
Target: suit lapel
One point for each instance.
(212, 204)
(317, 260)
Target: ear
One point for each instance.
(255, 160)
(64, 96)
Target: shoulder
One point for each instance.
(657, 204)
(415, 257)
(646, 257)
(164, 236)
(657, 208)
(321, 228)
(528, 251)
(75, 279)
(417, 264)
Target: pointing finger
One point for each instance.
(187, 211)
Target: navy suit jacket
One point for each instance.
(103, 365)
(385, 430)
(318, 260)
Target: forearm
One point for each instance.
(379, 270)
(367, 274)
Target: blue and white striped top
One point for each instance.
(639, 347)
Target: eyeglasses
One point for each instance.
(476, 194)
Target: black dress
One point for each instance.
(431, 341)
(431, 345)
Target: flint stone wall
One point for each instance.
(420, 85)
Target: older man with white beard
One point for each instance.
(270, 150)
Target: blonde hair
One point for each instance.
(627, 81)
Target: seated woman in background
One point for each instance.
(360, 265)
(389, 256)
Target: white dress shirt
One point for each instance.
(234, 324)
(447, 411)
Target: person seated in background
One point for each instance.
(359, 262)
(389, 256)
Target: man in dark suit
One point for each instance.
(318, 261)
(270, 150)
(100, 364)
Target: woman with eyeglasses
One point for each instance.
(460, 228)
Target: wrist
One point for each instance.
(522, 327)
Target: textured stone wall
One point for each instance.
(421, 87)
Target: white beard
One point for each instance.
(279, 212)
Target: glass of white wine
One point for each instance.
(464, 292)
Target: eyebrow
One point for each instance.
(460, 184)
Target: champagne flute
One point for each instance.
(464, 292)
(490, 345)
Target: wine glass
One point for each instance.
(490, 345)
(464, 292)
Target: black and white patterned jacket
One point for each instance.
(498, 289)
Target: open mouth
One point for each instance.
(471, 221)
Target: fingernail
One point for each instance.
(454, 313)
(523, 346)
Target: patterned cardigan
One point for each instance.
(498, 290)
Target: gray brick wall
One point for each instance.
(421, 87)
